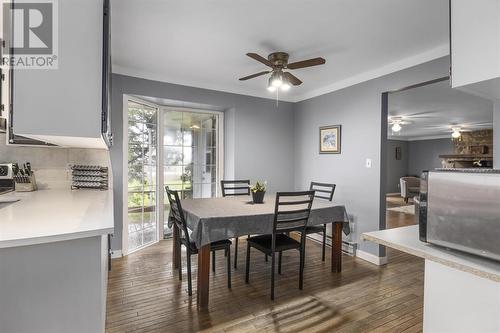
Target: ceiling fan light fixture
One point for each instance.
(456, 133)
(271, 88)
(396, 127)
(285, 86)
(276, 79)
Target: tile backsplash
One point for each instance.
(51, 164)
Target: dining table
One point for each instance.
(214, 219)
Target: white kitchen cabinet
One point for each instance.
(475, 46)
(64, 106)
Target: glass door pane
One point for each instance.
(142, 165)
(190, 157)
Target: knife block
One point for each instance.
(28, 186)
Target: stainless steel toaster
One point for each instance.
(460, 209)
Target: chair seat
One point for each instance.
(218, 245)
(314, 229)
(264, 243)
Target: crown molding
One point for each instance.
(419, 138)
(435, 53)
(117, 69)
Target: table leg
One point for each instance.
(337, 247)
(176, 249)
(203, 280)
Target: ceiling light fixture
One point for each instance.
(285, 86)
(396, 127)
(270, 87)
(277, 79)
(456, 133)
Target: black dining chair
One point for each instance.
(177, 215)
(322, 191)
(235, 188)
(291, 213)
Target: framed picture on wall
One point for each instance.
(330, 139)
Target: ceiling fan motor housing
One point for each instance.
(278, 59)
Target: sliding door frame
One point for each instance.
(160, 197)
(219, 150)
(220, 139)
(159, 226)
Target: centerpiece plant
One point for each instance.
(258, 191)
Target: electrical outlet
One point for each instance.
(368, 163)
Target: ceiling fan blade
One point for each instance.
(261, 59)
(253, 75)
(292, 79)
(306, 63)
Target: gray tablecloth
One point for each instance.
(216, 219)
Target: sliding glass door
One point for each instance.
(191, 154)
(142, 225)
(175, 147)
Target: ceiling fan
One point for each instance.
(278, 61)
(395, 122)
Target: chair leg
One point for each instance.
(324, 244)
(273, 260)
(301, 271)
(228, 251)
(279, 262)
(190, 285)
(213, 261)
(236, 253)
(247, 271)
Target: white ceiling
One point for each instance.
(203, 43)
(433, 109)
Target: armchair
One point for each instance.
(410, 187)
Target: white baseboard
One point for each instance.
(117, 254)
(379, 261)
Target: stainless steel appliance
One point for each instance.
(460, 209)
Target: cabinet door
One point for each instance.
(475, 41)
(64, 105)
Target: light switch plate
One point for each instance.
(368, 163)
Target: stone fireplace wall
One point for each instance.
(472, 142)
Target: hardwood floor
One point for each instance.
(397, 219)
(145, 295)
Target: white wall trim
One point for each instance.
(417, 59)
(421, 138)
(117, 69)
(379, 261)
(116, 254)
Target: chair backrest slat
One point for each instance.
(176, 212)
(321, 188)
(291, 212)
(235, 187)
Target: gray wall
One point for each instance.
(395, 168)
(417, 156)
(258, 138)
(424, 154)
(358, 110)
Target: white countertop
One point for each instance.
(406, 239)
(46, 216)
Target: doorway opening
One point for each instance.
(178, 147)
(429, 126)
